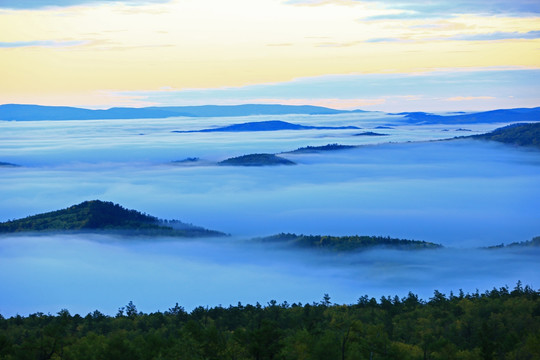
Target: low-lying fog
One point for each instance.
(84, 273)
(461, 193)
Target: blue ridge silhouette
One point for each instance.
(272, 125)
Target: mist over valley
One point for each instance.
(462, 193)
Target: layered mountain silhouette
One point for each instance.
(37, 112)
(22, 112)
(494, 116)
(102, 216)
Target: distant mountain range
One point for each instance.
(494, 116)
(102, 216)
(272, 125)
(20, 112)
(37, 112)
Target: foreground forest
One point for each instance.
(498, 324)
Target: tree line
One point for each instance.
(498, 324)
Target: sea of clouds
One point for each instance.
(462, 193)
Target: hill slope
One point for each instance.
(517, 134)
(99, 216)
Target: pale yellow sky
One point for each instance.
(82, 53)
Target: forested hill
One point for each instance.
(256, 160)
(97, 215)
(348, 243)
(517, 134)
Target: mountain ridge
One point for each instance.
(27, 112)
(270, 125)
(491, 116)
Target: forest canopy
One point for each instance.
(498, 324)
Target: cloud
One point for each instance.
(41, 43)
(497, 36)
(469, 98)
(466, 37)
(386, 92)
(385, 40)
(331, 103)
(38, 4)
(89, 272)
(414, 9)
(459, 193)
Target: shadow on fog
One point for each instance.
(88, 272)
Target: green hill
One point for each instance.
(256, 160)
(348, 243)
(517, 134)
(101, 216)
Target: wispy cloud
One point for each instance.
(416, 9)
(464, 37)
(42, 43)
(497, 36)
(38, 4)
(469, 98)
(333, 103)
(433, 90)
(376, 40)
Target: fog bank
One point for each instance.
(87, 272)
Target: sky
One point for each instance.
(381, 55)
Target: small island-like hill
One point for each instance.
(370, 133)
(98, 216)
(347, 243)
(270, 125)
(256, 160)
(317, 149)
(7, 164)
